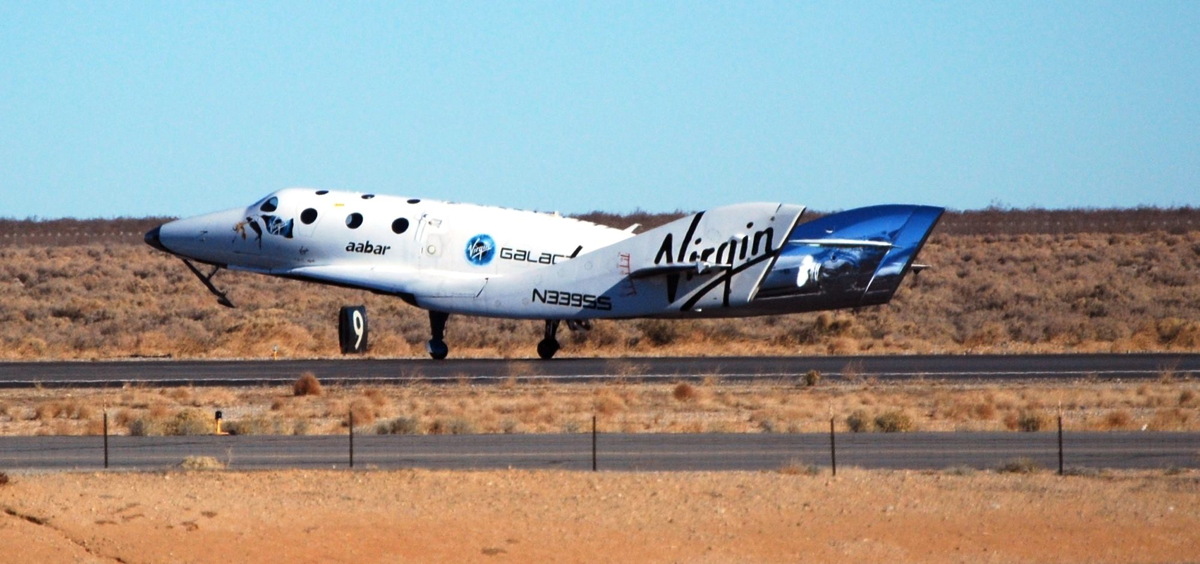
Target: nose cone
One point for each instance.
(153, 239)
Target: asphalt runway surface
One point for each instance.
(616, 452)
(992, 368)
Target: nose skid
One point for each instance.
(849, 259)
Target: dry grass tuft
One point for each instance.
(859, 422)
(362, 412)
(797, 467)
(200, 463)
(1022, 465)
(1120, 419)
(607, 402)
(307, 385)
(684, 392)
(1029, 421)
(894, 422)
(812, 378)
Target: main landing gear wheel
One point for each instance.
(549, 345)
(437, 327)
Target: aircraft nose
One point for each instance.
(152, 239)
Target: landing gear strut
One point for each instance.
(437, 327)
(549, 345)
(207, 280)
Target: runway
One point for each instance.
(616, 452)
(996, 368)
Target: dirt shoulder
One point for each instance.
(404, 516)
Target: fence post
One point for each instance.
(593, 443)
(106, 440)
(352, 439)
(1060, 448)
(832, 447)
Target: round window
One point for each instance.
(400, 226)
(308, 216)
(354, 220)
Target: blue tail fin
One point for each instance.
(848, 259)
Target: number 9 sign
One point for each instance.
(352, 329)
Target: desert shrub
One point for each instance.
(1118, 419)
(796, 467)
(4, 479)
(659, 332)
(68, 409)
(985, 411)
(1028, 421)
(456, 426)
(47, 410)
(1186, 398)
(147, 427)
(812, 378)
(301, 427)
(510, 426)
(190, 422)
(894, 422)
(193, 463)
(1022, 465)
(362, 412)
(307, 385)
(607, 403)
(399, 426)
(960, 470)
(123, 417)
(93, 427)
(376, 396)
(258, 425)
(684, 392)
(768, 425)
(859, 422)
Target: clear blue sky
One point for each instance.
(175, 108)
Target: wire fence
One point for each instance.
(1067, 452)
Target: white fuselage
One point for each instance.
(735, 260)
(741, 259)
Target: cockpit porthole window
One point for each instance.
(270, 205)
(308, 216)
(414, 201)
(354, 220)
(322, 192)
(368, 196)
(400, 226)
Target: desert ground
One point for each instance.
(794, 513)
(518, 516)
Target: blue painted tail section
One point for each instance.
(848, 259)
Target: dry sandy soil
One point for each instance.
(518, 516)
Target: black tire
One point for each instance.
(437, 349)
(546, 348)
